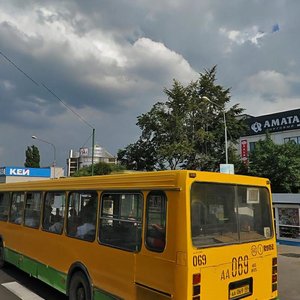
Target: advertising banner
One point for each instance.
(244, 151)
(27, 172)
(287, 120)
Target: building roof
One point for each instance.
(285, 198)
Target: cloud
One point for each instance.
(252, 35)
(269, 83)
(110, 62)
(156, 61)
(6, 85)
(268, 91)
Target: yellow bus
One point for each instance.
(155, 235)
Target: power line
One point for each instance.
(87, 140)
(48, 89)
(69, 108)
(19, 69)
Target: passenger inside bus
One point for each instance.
(87, 229)
(73, 222)
(56, 227)
(156, 237)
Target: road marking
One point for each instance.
(21, 291)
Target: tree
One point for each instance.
(32, 157)
(279, 163)
(186, 131)
(100, 168)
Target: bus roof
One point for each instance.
(172, 179)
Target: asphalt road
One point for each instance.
(289, 272)
(288, 269)
(19, 280)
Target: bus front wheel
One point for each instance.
(79, 287)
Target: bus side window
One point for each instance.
(121, 220)
(82, 215)
(17, 208)
(156, 221)
(54, 209)
(4, 206)
(33, 209)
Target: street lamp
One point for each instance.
(54, 152)
(225, 126)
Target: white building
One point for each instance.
(282, 126)
(83, 158)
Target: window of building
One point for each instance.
(156, 211)
(251, 146)
(288, 222)
(54, 209)
(17, 208)
(82, 215)
(4, 206)
(294, 139)
(121, 220)
(33, 209)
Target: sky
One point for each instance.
(69, 66)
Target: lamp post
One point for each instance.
(54, 152)
(225, 125)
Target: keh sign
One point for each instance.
(25, 172)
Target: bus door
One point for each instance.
(15, 237)
(120, 234)
(153, 270)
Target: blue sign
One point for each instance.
(25, 172)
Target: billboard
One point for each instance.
(84, 151)
(244, 150)
(287, 120)
(25, 172)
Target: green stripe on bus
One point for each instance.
(101, 295)
(54, 278)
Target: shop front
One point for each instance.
(287, 215)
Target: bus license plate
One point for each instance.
(239, 292)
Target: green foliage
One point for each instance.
(100, 168)
(279, 163)
(32, 157)
(186, 131)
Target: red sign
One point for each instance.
(244, 150)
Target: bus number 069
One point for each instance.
(240, 265)
(199, 260)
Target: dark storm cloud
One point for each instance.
(110, 60)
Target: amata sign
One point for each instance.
(288, 120)
(27, 172)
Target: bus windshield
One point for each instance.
(228, 214)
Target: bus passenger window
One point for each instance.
(17, 208)
(54, 209)
(156, 221)
(82, 215)
(121, 220)
(33, 209)
(4, 206)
